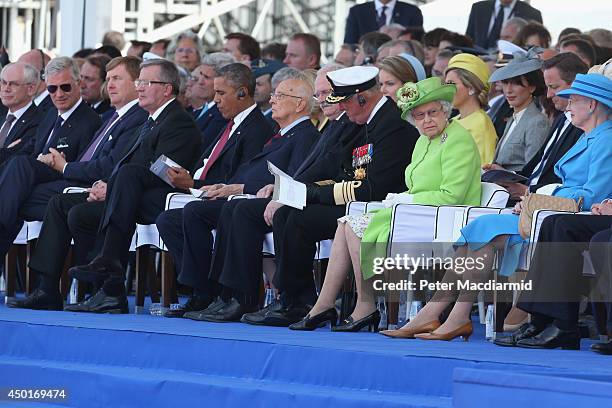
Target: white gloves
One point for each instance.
(393, 198)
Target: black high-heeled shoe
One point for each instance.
(349, 325)
(309, 322)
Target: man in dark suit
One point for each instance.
(139, 196)
(375, 167)
(209, 119)
(110, 143)
(93, 74)
(559, 73)
(556, 273)
(487, 18)
(188, 231)
(39, 60)
(371, 16)
(264, 70)
(17, 89)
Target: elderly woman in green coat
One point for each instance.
(445, 170)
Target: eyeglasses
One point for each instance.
(321, 95)
(146, 83)
(280, 96)
(186, 50)
(432, 113)
(64, 87)
(13, 83)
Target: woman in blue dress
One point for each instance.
(585, 171)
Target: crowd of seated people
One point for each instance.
(401, 116)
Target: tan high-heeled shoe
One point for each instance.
(464, 332)
(409, 332)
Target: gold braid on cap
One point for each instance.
(334, 99)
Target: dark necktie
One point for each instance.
(4, 131)
(54, 134)
(540, 167)
(98, 138)
(382, 19)
(273, 138)
(218, 149)
(496, 29)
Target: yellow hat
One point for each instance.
(472, 64)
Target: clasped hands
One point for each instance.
(54, 159)
(392, 198)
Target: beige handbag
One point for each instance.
(534, 202)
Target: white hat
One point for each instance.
(347, 82)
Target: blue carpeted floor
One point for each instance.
(232, 363)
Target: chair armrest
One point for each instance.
(241, 196)
(75, 190)
(413, 229)
(178, 200)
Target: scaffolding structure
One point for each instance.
(67, 25)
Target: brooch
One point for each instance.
(443, 137)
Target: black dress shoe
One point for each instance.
(194, 304)
(96, 271)
(309, 323)
(603, 348)
(259, 316)
(37, 300)
(229, 312)
(526, 331)
(349, 325)
(101, 303)
(552, 337)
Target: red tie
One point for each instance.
(273, 138)
(217, 150)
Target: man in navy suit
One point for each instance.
(188, 231)
(488, 17)
(371, 16)
(112, 140)
(18, 84)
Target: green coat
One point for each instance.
(443, 171)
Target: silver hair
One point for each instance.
(447, 108)
(30, 74)
(168, 72)
(185, 34)
(283, 74)
(218, 60)
(329, 67)
(60, 64)
(517, 21)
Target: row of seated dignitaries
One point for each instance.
(227, 279)
(102, 221)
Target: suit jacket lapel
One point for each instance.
(238, 132)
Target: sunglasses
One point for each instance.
(64, 87)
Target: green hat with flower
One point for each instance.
(428, 90)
